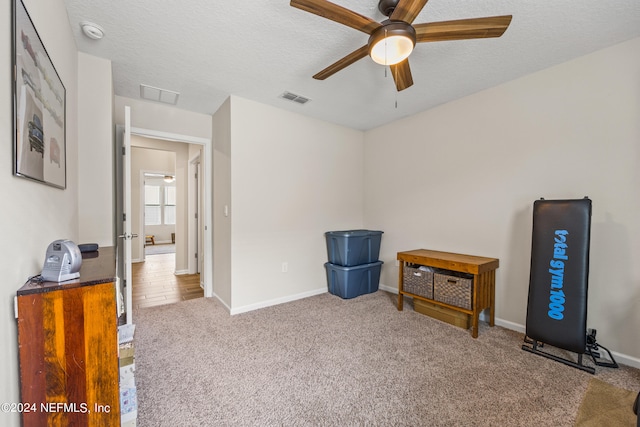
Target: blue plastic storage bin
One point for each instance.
(350, 282)
(353, 247)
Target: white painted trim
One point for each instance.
(392, 289)
(192, 232)
(181, 272)
(216, 296)
(510, 325)
(207, 274)
(167, 136)
(626, 360)
(277, 301)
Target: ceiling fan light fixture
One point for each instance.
(392, 43)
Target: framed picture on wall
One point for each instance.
(39, 106)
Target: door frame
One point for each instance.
(206, 276)
(194, 208)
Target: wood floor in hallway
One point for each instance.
(154, 282)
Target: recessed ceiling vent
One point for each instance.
(295, 98)
(159, 95)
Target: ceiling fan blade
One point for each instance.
(337, 14)
(402, 75)
(407, 10)
(462, 29)
(343, 63)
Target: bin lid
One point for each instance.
(355, 233)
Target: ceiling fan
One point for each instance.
(392, 41)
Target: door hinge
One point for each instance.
(124, 217)
(124, 152)
(196, 255)
(196, 215)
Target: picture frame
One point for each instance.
(39, 107)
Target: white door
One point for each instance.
(127, 219)
(199, 228)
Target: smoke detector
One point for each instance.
(91, 30)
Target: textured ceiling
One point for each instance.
(208, 50)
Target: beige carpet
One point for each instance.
(325, 361)
(606, 405)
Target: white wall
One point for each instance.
(221, 186)
(163, 118)
(292, 179)
(463, 177)
(95, 136)
(34, 214)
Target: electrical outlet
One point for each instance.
(285, 267)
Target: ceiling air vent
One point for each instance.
(295, 98)
(159, 95)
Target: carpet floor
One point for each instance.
(325, 361)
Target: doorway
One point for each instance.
(155, 282)
(201, 146)
(160, 270)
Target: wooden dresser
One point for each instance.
(482, 291)
(68, 347)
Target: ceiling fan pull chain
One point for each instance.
(396, 79)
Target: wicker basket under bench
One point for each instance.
(464, 283)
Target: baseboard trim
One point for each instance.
(216, 296)
(277, 301)
(180, 272)
(391, 289)
(510, 325)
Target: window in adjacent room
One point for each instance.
(152, 211)
(160, 204)
(170, 205)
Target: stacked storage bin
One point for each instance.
(353, 268)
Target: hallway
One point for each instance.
(154, 282)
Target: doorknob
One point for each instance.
(127, 236)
